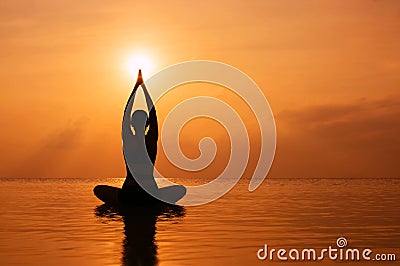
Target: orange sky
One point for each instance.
(329, 69)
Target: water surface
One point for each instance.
(60, 222)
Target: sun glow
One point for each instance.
(140, 61)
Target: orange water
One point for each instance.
(55, 222)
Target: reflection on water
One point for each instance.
(139, 247)
(56, 222)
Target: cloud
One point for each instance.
(52, 152)
(358, 139)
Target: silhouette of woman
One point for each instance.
(140, 149)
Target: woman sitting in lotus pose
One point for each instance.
(140, 149)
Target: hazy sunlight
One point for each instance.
(140, 61)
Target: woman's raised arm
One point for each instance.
(153, 123)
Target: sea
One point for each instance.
(61, 222)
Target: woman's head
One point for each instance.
(139, 121)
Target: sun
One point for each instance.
(140, 61)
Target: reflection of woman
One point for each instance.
(140, 149)
(139, 247)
